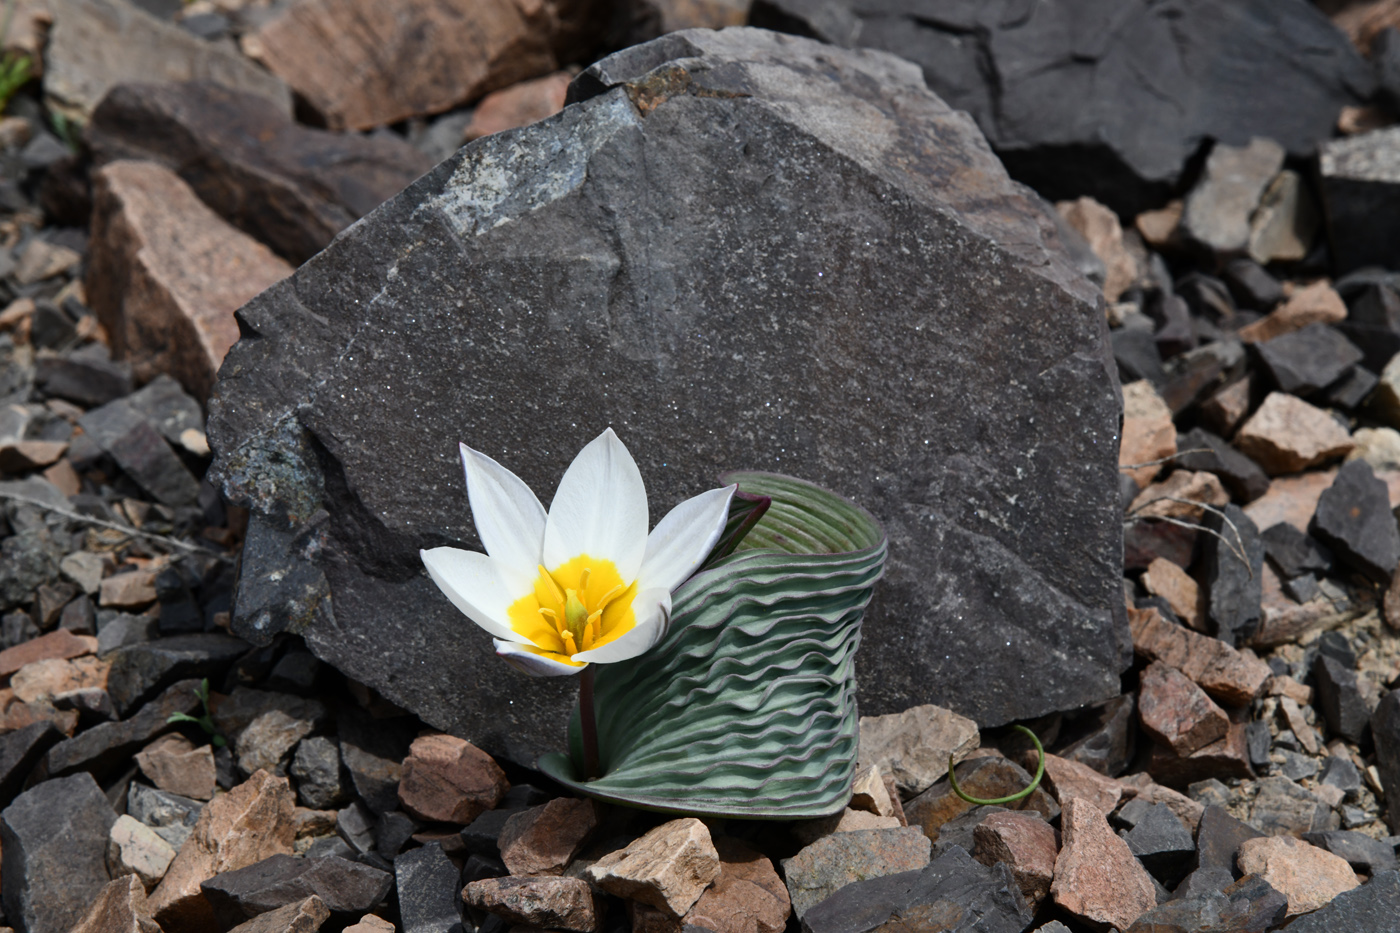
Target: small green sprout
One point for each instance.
(997, 801)
(15, 72)
(206, 722)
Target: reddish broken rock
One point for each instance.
(1072, 779)
(252, 822)
(1173, 497)
(61, 644)
(1148, 432)
(1166, 579)
(747, 897)
(1228, 675)
(1308, 876)
(1287, 435)
(668, 868)
(1097, 877)
(1317, 303)
(174, 764)
(518, 105)
(1024, 842)
(120, 907)
(1227, 757)
(543, 840)
(166, 273)
(449, 780)
(129, 590)
(551, 903)
(1177, 712)
(1102, 231)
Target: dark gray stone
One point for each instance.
(1334, 645)
(1373, 907)
(1284, 807)
(28, 559)
(120, 629)
(170, 815)
(105, 749)
(1163, 844)
(141, 452)
(19, 752)
(1385, 733)
(482, 835)
(1350, 391)
(1256, 735)
(1353, 519)
(1233, 574)
(1308, 360)
(355, 824)
(1340, 773)
(1110, 100)
(1010, 494)
(373, 751)
(1339, 697)
(1251, 285)
(1177, 330)
(1203, 882)
(295, 672)
(79, 617)
(429, 889)
(316, 768)
(1106, 738)
(1135, 351)
(1294, 553)
(285, 184)
(1362, 852)
(1250, 905)
(392, 832)
(54, 838)
(141, 669)
(1218, 839)
(17, 628)
(348, 889)
(82, 378)
(1361, 197)
(959, 830)
(1197, 373)
(964, 896)
(167, 407)
(1244, 478)
(1295, 767)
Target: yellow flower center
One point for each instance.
(582, 604)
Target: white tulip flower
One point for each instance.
(584, 583)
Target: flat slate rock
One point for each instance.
(952, 893)
(345, 887)
(1109, 99)
(823, 270)
(54, 838)
(1353, 518)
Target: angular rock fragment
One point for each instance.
(139, 670)
(174, 764)
(96, 44)
(1097, 878)
(429, 888)
(302, 917)
(1373, 906)
(1239, 474)
(987, 778)
(1163, 844)
(1249, 905)
(133, 848)
(668, 868)
(1218, 209)
(1360, 191)
(1026, 527)
(1167, 580)
(1071, 779)
(1385, 732)
(831, 863)
(1282, 806)
(287, 185)
(1353, 519)
(543, 840)
(316, 767)
(1100, 228)
(1308, 360)
(1362, 853)
(106, 748)
(1293, 552)
(423, 59)
(1177, 712)
(248, 824)
(746, 897)
(166, 273)
(1287, 435)
(142, 454)
(120, 907)
(1227, 757)
(54, 838)
(1308, 876)
(346, 888)
(914, 746)
(1234, 567)
(953, 891)
(1026, 843)
(552, 903)
(450, 780)
(520, 105)
(1339, 696)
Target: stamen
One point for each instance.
(570, 646)
(583, 579)
(544, 574)
(610, 595)
(592, 629)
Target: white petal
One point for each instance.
(509, 518)
(653, 614)
(600, 509)
(682, 540)
(528, 660)
(481, 587)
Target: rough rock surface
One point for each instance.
(1110, 101)
(914, 746)
(1097, 878)
(167, 273)
(120, 907)
(288, 185)
(54, 838)
(756, 211)
(829, 864)
(668, 868)
(1308, 876)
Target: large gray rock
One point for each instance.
(54, 838)
(742, 250)
(1109, 98)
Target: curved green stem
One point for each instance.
(1035, 782)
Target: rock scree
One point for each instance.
(741, 250)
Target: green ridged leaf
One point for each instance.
(747, 708)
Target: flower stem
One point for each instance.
(588, 725)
